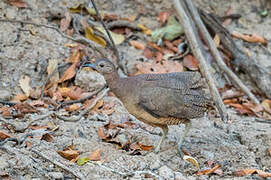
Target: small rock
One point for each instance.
(166, 172)
(5, 95)
(155, 165)
(179, 176)
(56, 175)
(89, 80)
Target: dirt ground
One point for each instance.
(239, 145)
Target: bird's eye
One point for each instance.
(101, 65)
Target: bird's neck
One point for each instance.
(113, 81)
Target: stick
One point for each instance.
(196, 47)
(62, 166)
(80, 39)
(77, 118)
(207, 38)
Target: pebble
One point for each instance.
(166, 172)
(89, 80)
(5, 95)
(56, 175)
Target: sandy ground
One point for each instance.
(242, 144)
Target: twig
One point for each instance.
(77, 118)
(121, 23)
(79, 39)
(258, 74)
(196, 47)
(17, 140)
(207, 38)
(62, 166)
(106, 30)
(7, 102)
(120, 63)
(263, 120)
(83, 99)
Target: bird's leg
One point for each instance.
(164, 134)
(186, 130)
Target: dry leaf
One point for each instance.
(144, 29)
(19, 98)
(17, 3)
(191, 160)
(98, 105)
(101, 133)
(69, 154)
(245, 172)
(25, 84)
(47, 137)
(208, 171)
(137, 44)
(117, 38)
(253, 38)
(73, 107)
(148, 53)
(191, 63)
(69, 73)
(76, 55)
(95, 155)
(89, 33)
(36, 103)
(52, 66)
(145, 147)
(160, 67)
(4, 135)
(65, 22)
(266, 104)
(163, 17)
(217, 40)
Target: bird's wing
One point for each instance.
(173, 95)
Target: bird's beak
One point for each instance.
(93, 66)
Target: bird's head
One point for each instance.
(104, 66)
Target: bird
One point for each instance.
(159, 100)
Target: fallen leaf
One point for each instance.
(68, 154)
(19, 98)
(101, 133)
(171, 46)
(253, 38)
(144, 29)
(163, 17)
(137, 45)
(25, 84)
(159, 57)
(242, 109)
(217, 40)
(95, 155)
(89, 33)
(82, 160)
(98, 105)
(245, 172)
(191, 63)
(65, 22)
(69, 73)
(172, 30)
(266, 104)
(191, 160)
(148, 53)
(76, 55)
(51, 68)
(208, 171)
(47, 137)
(36, 103)
(117, 38)
(17, 3)
(25, 108)
(4, 135)
(145, 147)
(35, 93)
(73, 107)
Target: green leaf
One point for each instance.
(172, 30)
(82, 160)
